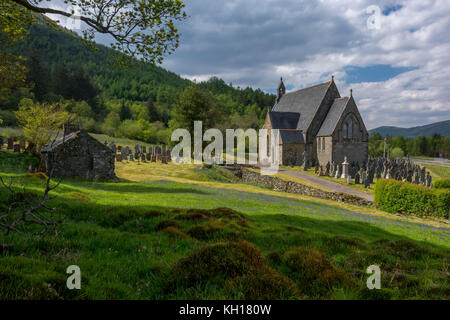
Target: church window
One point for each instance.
(350, 128)
(319, 140)
(344, 131)
(323, 144)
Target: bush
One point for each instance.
(222, 260)
(313, 272)
(442, 184)
(401, 197)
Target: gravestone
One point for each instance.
(118, 157)
(333, 169)
(10, 143)
(357, 178)
(345, 164)
(366, 182)
(428, 180)
(327, 169)
(131, 157)
(338, 171)
(349, 179)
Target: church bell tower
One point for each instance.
(281, 90)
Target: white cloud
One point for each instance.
(254, 42)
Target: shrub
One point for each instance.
(442, 184)
(312, 271)
(401, 197)
(222, 260)
(264, 284)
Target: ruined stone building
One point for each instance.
(78, 155)
(317, 123)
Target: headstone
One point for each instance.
(349, 179)
(305, 161)
(428, 180)
(366, 182)
(327, 169)
(344, 174)
(142, 157)
(333, 169)
(10, 143)
(338, 171)
(320, 171)
(363, 176)
(118, 157)
(131, 157)
(119, 148)
(357, 178)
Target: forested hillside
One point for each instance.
(134, 102)
(442, 128)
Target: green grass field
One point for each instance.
(188, 232)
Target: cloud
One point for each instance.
(254, 42)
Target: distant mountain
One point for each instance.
(442, 127)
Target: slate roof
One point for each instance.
(291, 136)
(53, 145)
(284, 120)
(333, 117)
(304, 101)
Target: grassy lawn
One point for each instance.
(156, 233)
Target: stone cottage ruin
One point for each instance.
(78, 155)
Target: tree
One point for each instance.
(397, 153)
(196, 105)
(124, 112)
(38, 76)
(138, 29)
(14, 20)
(39, 122)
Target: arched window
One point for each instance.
(356, 132)
(350, 128)
(319, 143)
(344, 131)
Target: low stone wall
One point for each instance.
(278, 184)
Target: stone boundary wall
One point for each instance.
(278, 184)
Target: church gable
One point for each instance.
(350, 125)
(333, 117)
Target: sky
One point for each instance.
(394, 54)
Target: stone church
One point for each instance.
(318, 124)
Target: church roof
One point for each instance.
(304, 101)
(333, 117)
(284, 120)
(291, 136)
